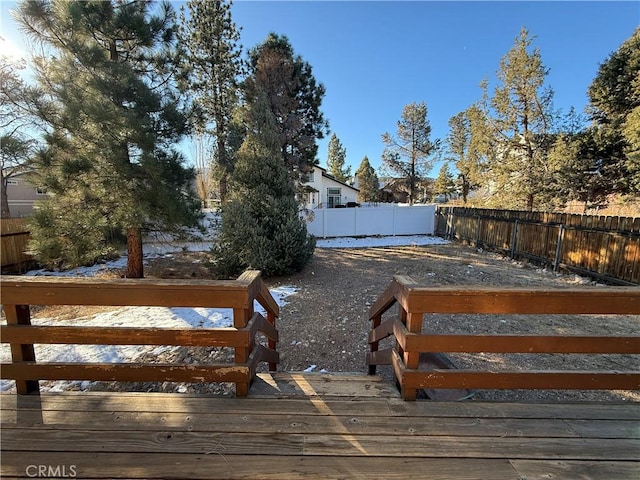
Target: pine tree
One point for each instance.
(294, 98)
(572, 161)
(261, 227)
(335, 160)
(113, 114)
(409, 154)
(520, 118)
(631, 132)
(467, 148)
(444, 184)
(572, 164)
(212, 64)
(614, 105)
(368, 183)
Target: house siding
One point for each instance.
(320, 185)
(22, 196)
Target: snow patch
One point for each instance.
(368, 242)
(143, 317)
(162, 317)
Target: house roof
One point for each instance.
(328, 175)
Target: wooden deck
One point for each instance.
(313, 426)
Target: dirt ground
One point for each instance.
(325, 324)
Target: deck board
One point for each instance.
(222, 466)
(601, 470)
(316, 426)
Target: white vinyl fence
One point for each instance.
(386, 219)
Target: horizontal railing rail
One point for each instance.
(414, 301)
(19, 293)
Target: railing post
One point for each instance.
(20, 315)
(271, 318)
(375, 323)
(412, 359)
(241, 317)
(402, 316)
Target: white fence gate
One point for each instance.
(386, 219)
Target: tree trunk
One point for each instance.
(223, 186)
(5, 213)
(221, 157)
(135, 268)
(530, 202)
(412, 182)
(465, 189)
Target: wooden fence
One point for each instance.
(414, 301)
(14, 238)
(603, 247)
(20, 292)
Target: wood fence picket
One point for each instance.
(603, 247)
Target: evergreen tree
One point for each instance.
(335, 160)
(631, 132)
(468, 148)
(458, 140)
(294, 99)
(113, 114)
(572, 164)
(212, 63)
(261, 226)
(520, 118)
(614, 97)
(444, 184)
(409, 154)
(573, 160)
(368, 183)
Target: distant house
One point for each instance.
(393, 190)
(446, 197)
(322, 190)
(396, 190)
(22, 195)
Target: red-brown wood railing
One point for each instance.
(18, 293)
(414, 301)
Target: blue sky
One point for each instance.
(375, 57)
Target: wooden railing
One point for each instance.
(415, 300)
(18, 293)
